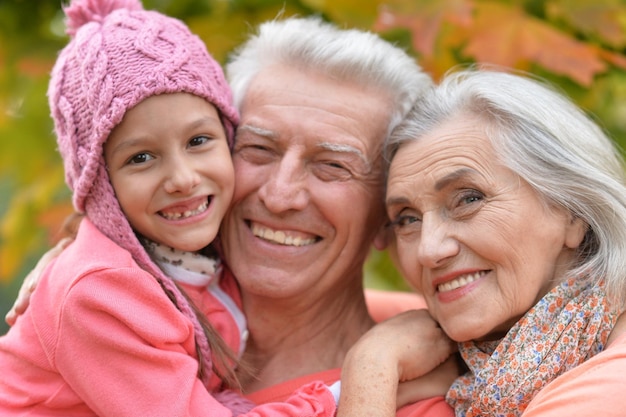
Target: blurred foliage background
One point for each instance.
(578, 44)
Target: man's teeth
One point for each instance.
(280, 237)
(459, 282)
(176, 216)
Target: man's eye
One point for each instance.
(332, 171)
(336, 165)
(259, 148)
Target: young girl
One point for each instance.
(144, 121)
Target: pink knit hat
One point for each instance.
(119, 55)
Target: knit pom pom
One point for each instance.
(81, 12)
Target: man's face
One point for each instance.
(308, 184)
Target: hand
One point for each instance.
(31, 281)
(402, 348)
(435, 383)
(412, 340)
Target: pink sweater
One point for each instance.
(101, 338)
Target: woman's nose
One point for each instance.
(437, 242)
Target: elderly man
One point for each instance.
(316, 104)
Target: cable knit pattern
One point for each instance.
(121, 54)
(114, 62)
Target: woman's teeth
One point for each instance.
(459, 282)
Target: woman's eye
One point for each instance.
(140, 158)
(403, 220)
(466, 203)
(469, 197)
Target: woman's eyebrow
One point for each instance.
(451, 177)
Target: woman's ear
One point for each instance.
(575, 232)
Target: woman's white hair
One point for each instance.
(350, 55)
(550, 143)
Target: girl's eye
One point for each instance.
(199, 140)
(140, 158)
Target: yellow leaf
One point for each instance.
(22, 226)
(351, 13)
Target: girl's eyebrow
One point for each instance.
(127, 143)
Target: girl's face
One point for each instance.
(471, 235)
(171, 169)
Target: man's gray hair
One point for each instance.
(350, 55)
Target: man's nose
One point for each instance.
(286, 188)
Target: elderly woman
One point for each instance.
(508, 206)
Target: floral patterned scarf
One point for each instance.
(564, 329)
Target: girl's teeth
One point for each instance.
(175, 216)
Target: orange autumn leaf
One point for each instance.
(506, 35)
(424, 19)
(613, 58)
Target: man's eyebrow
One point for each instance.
(340, 147)
(270, 134)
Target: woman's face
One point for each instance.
(471, 235)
